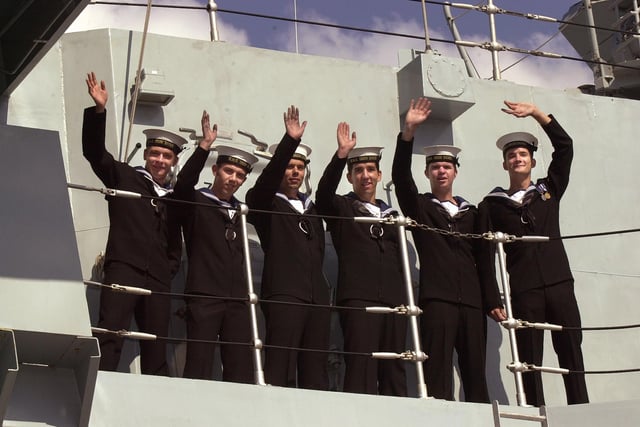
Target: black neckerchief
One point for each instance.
(376, 231)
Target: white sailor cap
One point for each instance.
(236, 156)
(364, 154)
(442, 153)
(302, 152)
(517, 139)
(166, 139)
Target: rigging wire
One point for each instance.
(138, 83)
(373, 310)
(634, 276)
(524, 57)
(144, 291)
(413, 36)
(602, 233)
(408, 356)
(535, 17)
(143, 336)
(440, 3)
(119, 193)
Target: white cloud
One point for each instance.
(359, 46)
(383, 49)
(175, 22)
(534, 70)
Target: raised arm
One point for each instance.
(524, 109)
(560, 166)
(331, 177)
(190, 172)
(406, 189)
(292, 123)
(562, 157)
(346, 140)
(267, 184)
(418, 112)
(210, 133)
(93, 133)
(97, 91)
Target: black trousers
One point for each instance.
(213, 320)
(151, 314)
(554, 304)
(446, 326)
(367, 333)
(299, 327)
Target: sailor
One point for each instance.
(293, 245)
(141, 249)
(214, 243)
(451, 275)
(539, 274)
(369, 268)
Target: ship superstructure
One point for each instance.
(51, 234)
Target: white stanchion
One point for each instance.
(411, 310)
(500, 238)
(253, 300)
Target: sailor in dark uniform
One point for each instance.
(451, 282)
(293, 245)
(213, 239)
(369, 268)
(539, 274)
(141, 249)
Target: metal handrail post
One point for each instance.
(471, 71)
(427, 41)
(212, 8)
(295, 24)
(413, 321)
(520, 395)
(600, 68)
(253, 300)
(494, 41)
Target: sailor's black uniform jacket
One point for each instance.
(369, 266)
(535, 265)
(213, 237)
(450, 267)
(138, 232)
(293, 244)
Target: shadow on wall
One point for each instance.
(4, 109)
(494, 364)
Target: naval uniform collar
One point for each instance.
(454, 207)
(462, 203)
(301, 204)
(160, 190)
(232, 204)
(500, 192)
(380, 209)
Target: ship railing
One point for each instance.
(416, 355)
(541, 417)
(410, 310)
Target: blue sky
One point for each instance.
(401, 16)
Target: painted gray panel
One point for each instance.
(37, 235)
